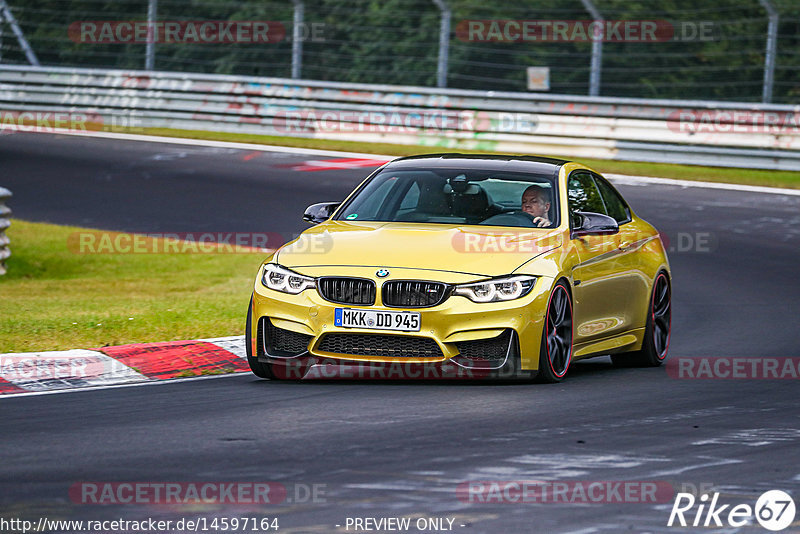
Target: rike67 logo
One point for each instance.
(774, 510)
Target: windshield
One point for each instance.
(451, 196)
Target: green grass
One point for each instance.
(787, 179)
(53, 298)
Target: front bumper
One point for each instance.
(449, 327)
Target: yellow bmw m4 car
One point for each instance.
(464, 265)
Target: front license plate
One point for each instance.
(404, 321)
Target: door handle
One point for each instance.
(625, 245)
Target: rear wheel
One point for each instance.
(656, 332)
(555, 352)
(261, 370)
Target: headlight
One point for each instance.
(282, 279)
(497, 289)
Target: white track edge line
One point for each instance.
(623, 178)
(216, 144)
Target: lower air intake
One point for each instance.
(381, 345)
(492, 349)
(282, 342)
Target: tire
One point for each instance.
(657, 329)
(261, 370)
(555, 352)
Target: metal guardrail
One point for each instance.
(5, 214)
(690, 132)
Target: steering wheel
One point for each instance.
(525, 215)
(512, 218)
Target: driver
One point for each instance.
(536, 202)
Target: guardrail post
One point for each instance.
(772, 50)
(5, 213)
(444, 43)
(152, 35)
(5, 11)
(597, 49)
(297, 38)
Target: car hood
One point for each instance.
(482, 251)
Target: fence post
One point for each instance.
(5, 11)
(597, 48)
(152, 35)
(444, 43)
(772, 49)
(297, 38)
(5, 213)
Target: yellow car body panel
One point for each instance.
(444, 248)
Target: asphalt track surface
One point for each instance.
(393, 449)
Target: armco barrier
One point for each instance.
(669, 131)
(5, 213)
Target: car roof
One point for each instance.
(531, 164)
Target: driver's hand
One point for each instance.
(541, 221)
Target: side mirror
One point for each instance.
(317, 213)
(589, 223)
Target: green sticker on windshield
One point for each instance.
(352, 216)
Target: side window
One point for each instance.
(411, 199)
(614, 204)
(583, 195)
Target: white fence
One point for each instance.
(690, 132)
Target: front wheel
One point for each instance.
(261, 370)
(555, 352)
(656, 332)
